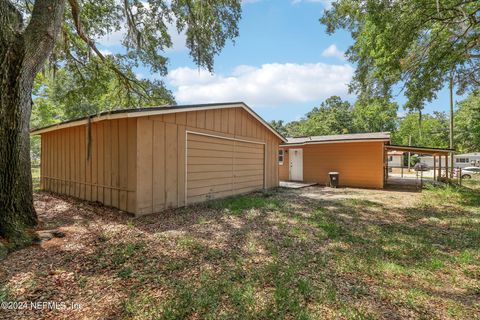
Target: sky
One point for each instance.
(282, 64)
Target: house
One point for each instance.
(359, 158)
(459, 160)
(395, 159)
(146, 160)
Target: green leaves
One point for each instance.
(467, 119)
(335, 116)
(415, 43)
(432, 133)
(332, 117)
(74, 93)
(374, 115)
(79, 79)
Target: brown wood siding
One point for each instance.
(360, 163)
(168, 151)
(138, 164)
(108, 175)
(209, 168)
(219, 167)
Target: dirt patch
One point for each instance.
(295, 254)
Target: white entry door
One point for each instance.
(296, 164)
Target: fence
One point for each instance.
(395, 175)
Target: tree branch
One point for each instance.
(79, 28)
(135, 34)
(127, 81)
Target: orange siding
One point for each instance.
(360, 164)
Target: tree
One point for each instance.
(435, 127)
(420, 44)
(374, 115)
(279, 126)
(332, 117)
(66, 95)
(467, 118)
(61, 33)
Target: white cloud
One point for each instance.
(269, 85)
(333, 51)
(327, 4)
(105, 52)
(178, 39)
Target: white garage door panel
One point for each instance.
(218, 167)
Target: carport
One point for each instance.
(439, 172)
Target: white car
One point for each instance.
(468, 172)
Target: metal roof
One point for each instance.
(150, 111)
(395, 152)
(471, 154)
(420, 150)
(373, 136)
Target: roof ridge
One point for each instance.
(111, 114)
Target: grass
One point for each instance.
(36, 177)
(237, 205)
(279, 255)
(473, 183)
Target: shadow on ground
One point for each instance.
(303, 254)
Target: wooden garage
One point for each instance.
(359, 158)
(146, 160)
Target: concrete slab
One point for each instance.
(296, 184)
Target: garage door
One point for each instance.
(219, 167)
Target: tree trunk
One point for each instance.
(23, 51)
(420, 131)
(16, 204)
(451, 142)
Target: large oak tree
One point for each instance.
(47, 34)
(416, 44)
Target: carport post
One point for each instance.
(421, 179)
(434, 167)
(446, 166)
(439, 167)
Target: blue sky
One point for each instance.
(283, 63)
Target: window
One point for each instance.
(461, 160)
(390, 158)
(280, 156)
